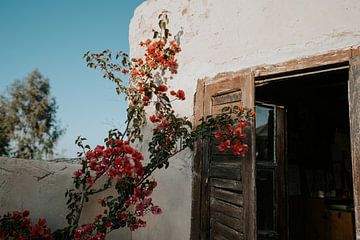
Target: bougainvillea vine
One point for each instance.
(117, 164)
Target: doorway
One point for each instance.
(303, 158)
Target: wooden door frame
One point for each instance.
(199, 199)
(261, 73)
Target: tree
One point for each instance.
(29, 119)
(5, 128)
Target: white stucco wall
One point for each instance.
(218, 36)
(229, 35)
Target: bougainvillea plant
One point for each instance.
(117, 164)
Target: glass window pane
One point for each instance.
(265, 199)
(264, 134)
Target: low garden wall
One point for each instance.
(39, 186)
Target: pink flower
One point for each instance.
(78, 173)
(156, 210)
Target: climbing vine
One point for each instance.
(117, 164)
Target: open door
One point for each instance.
(224, 202)
(270, 172)
(354, 112)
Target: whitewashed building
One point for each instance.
(298, 63)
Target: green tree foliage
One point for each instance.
(5, 128)
(28, 119)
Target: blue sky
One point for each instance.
(52, 36)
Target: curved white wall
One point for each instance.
(229, 35)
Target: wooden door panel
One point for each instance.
(223, 173)
(227, 184)
(232, 222)
(235, 198)
(218, 229)
(226, 208)
(224, 202)
(354, 111)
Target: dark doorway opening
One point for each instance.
(316, 175)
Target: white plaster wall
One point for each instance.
(39, 186)
(228, 35)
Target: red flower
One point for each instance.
(218, 135)
(145, 99)
(26, 213)
(78, 173)
(223, 146)
(90, 180)
(153, 184)
(156, 210)
(162, 88)
(42, 222)
(238, 130)
(118, 161)
(134, 72)
(180, 94)
(148, 41)
(153, 118)
(172, 93)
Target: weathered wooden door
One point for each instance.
(227, 184)
(270, 172)
(354, 104)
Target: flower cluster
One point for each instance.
(232, 136)
(159, 55)
(118, 160)
(142, 203)
(88, 232)
(18, 226)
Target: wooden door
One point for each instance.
(226, 184)
(354, 111)
(270, 172)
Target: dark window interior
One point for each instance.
(318, 173)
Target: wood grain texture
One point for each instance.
(216, 236)
(195, 231)
(231, 222)
(249, 188)
(227, 184)
(354, 111)
(226, 171)
(282, 220)
(226, 208)
(228, 196)
(332, 57)
(225, 231)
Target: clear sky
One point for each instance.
(52, 36)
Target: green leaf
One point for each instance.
(225, 109)
(162, 24)
(158, 106)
